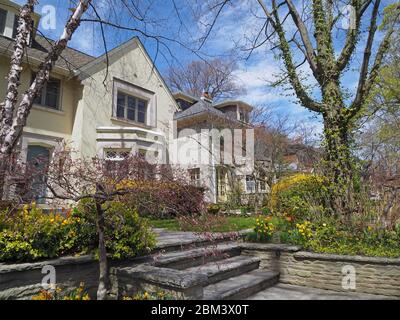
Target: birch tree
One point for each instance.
(13, 114)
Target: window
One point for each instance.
(50, 95)
(3, 18)
(131, 108)
(117, 154)
(241, 115)
(142, 153)
(221, 182)
(15, 27)
(114, 158)
(250, 184)
(262, 185)
(194, 175)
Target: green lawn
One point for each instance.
(233, 224)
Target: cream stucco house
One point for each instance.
(111, 110)
(129, 110)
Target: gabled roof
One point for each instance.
(70, 59)
(99, 63)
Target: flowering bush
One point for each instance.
(160, 199)
(302, 196)
(62, 294)
(264, 228)
(329, 236)
(30, 234)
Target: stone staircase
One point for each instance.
(203, 271)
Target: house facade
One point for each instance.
(105, 111)
(118, 108)
(217, 142)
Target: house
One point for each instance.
(213, 139)
(127, 111)
(125, 107)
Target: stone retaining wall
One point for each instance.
(23, 280)
(325, 271)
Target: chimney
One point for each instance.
(206, 97)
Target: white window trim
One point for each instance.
(119, 153)
(137, 92)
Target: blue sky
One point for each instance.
(237, 22)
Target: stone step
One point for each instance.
(170, 241)
(241, 287)
(227, 268)
(185, 259)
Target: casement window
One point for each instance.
(50, 95)
(250, 184)
(3, 19)
(194, 175)
(131, 108)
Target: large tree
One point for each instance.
(305, 34)
(215, 77)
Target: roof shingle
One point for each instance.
(70, 59)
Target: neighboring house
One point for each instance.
(128, 112)
(300, 158)
(221, 177)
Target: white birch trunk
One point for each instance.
(24, 108)
(13, 78)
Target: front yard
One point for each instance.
(231, 224)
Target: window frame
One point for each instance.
(3, 26)
(248, 180)
(126, 107)
(15, 26)
(194, 175)
(43, 94)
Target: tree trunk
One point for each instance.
(4, 160)
(104, 280)
(338, 164)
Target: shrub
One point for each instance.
(30, 234)
(127, 235)
(303, 196)
(214, 208)
(160, 199)
(329, 236)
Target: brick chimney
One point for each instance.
(206, 97)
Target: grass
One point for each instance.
(233, 224)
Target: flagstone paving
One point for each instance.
(290, 292)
